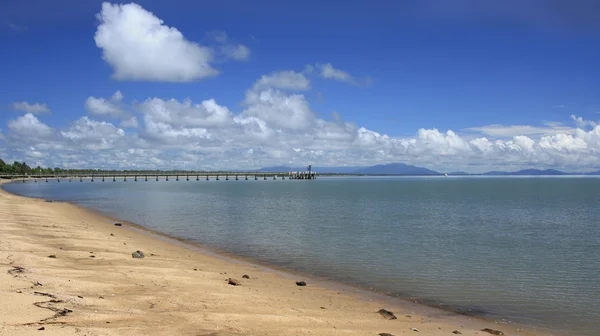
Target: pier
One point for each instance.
(160, 176)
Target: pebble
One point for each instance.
(300, 283)
(233, 282)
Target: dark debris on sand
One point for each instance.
(234, 282)
(387, 314)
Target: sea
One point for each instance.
(522, 250)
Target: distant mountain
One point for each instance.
(335, 170)
(319, 170)
(404, 169)
(527, 172)
(458, 173)
(395, 169)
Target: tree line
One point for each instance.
(22, 168)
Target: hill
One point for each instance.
(395, 169)
(532, 172)
(458, 173)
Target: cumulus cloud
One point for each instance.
(130, 123)
(29, 126)
(106, 107)
(35, 108)
(276, 124)
(111, 108)
(139, 46)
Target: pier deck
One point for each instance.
(146, 176)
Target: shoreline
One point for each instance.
(422, 316)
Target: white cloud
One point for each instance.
(279, 109)
(229, 48)
(29, 127)
(35, 108)
(285, 80)
(236, 52)
(514, 130)
(139, 46)
(109, 108)
(329, 72)
(277, 125)
(580, 122)
(85, 129)
(130, 123)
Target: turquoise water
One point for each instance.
(520, 249)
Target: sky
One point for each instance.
(471, 85)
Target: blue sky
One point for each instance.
(419, 82)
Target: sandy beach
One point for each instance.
(65, 270)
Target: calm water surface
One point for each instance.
(525, 250)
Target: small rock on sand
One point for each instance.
(385, 334)
(492, 331)
(245, 276)
(118, 224)
(300, 283)
(387, 314)
(138, 254)
(457, 332)
(42, 328)
(233, 282)
(52, 256)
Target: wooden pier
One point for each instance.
(162, 176)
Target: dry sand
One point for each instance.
(174, 290)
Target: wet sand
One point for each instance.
(70, 271)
